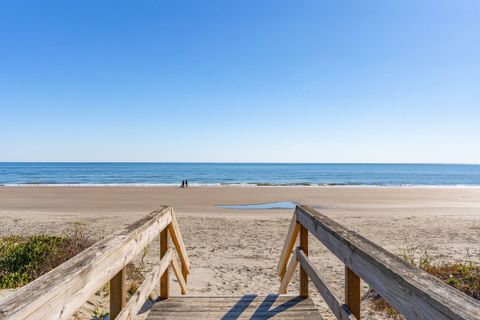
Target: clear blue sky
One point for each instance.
(258, 81)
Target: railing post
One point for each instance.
(303, 273)
(352, 292)
(184, 272)
(118, 293)
(164, 278)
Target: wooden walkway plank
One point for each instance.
(244, 307)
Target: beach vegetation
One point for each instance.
(25, 258)
(135, 277)
(100, 314)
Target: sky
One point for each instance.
(240, 81)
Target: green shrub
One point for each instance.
(23, 259)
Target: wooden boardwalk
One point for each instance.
(249, 306)
(61, 292)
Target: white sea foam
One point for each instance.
(246, 185)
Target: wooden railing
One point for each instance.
(413, 292)
(59, 293)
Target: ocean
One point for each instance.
(255, 174)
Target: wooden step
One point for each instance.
(250, 306)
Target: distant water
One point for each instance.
(238, 174)
(267, 205)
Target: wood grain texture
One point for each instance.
(60, 292)
(141, 295)
(249, 306)
(177, 240)
(179, 275)
(340, 310)
(287, 277)
(413, 292)
(288, 246)
(303, 273)
(164, 279)
(118, 293)
(352, 292)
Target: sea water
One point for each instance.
(248, 174)
(260, 206)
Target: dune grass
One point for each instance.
(25, 258)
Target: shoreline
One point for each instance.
(239, 185)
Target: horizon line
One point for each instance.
(252, 162)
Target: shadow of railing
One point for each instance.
(239, 307)
(264, 310)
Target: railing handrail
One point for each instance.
(59, 293)
(413, 292)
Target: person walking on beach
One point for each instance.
(183, 184)
(186, 183)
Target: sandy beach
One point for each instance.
(228, 247)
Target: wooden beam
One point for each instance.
(340, 311)
(136, 302)
(60, 292)
(303, 273)
(177, 240)
(288, 246)
(352, 292)
(179, 276)
(287, 277)
(413, 292)
(118, 293)
(165, 276)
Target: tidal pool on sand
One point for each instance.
(256, 206)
